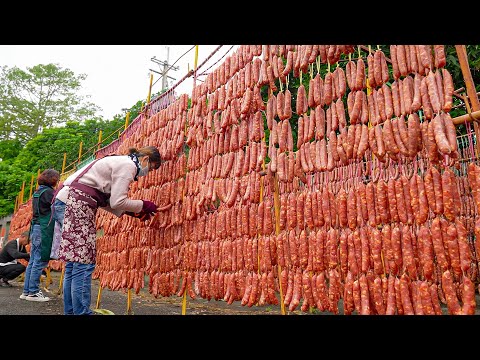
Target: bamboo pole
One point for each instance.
(127, 118)
(60, 283)
(80, 152)
(99, 140)
(149, 95)
(64, 162)
(48, 278)
(99, 297)
(38, 175)
(129, 302)
(31, 187)
(470, 85)
(184, 300)
(473, 116)
(22, 192)
(276, 202)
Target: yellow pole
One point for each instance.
(127, 118)
(99, 140)
(184, 303)
(22, 192)
(196, 59)
(60, 283)
(150, 89)
(64, 161)
(80, 152)
(276, 201)
(99, 296)
(38, 175)
(129, 302)
(16, 204)
(31, 188)
(149, 94)
(184, 300)
(48, 279)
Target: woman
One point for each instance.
(10, 268)
(103, 183)
(41, 236)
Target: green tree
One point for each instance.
(38, 98)
(9, 149)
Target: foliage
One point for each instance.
(9, 149)
(38, 98)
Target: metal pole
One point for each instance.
(470, 85)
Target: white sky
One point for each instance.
(117, 75)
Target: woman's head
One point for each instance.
(23, 238)
(148, 154)
(49, 177)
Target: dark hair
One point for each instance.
(49, 177)
(150, 151)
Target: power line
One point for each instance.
(216, 62)
(186, 52)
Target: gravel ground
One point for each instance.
(141, 304)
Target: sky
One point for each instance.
(117, 75)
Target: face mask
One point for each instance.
(143, 171)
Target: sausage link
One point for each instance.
(397, 109)
(405, 296)
(437, 186)
(388, 101)
(364, 296)
(370, 198)
(468, 298)
(440, 59)
(453, 304)
(392, 200)
(408, 253)
(463, 247)
(453, 249)
(435, 302)
(438, 247)
(448, 89)
(426, 102)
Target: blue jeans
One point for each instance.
(58, 212)
(77, 288)
(35, 265)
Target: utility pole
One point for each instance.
(166, 68)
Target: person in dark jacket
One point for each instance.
(41, 235)
(13, 250)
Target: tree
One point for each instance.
(38, 98)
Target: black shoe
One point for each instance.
(4, 283)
